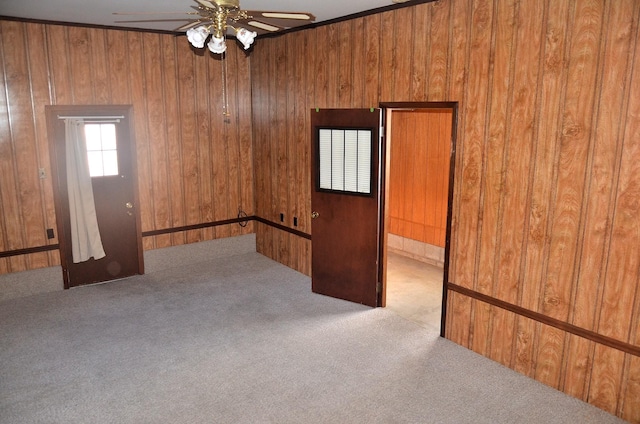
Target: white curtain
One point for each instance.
(85, 235)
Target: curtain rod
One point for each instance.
(91, 117)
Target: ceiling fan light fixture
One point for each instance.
(197, 36)
(217, 45)
(216, 18)
(246, 37)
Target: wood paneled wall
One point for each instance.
(547, 178)
(420, 147)
(193, 165)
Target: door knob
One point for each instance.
(129, 205)
(314, 215)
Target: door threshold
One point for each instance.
(104, 282)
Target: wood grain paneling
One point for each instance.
(141, 130)
(204, 151)
(438, 50)
(418, 175)
(403, 27)
(629, 403)
(545, 198)
(471, 161)
(421, 60)
(544, 212)
(518, 151)
(40, 94)
(193, 165)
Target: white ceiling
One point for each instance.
(100, 12)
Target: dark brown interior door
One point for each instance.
(115, 198)
(345, 204)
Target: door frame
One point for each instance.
(387, 107)
(52, 112)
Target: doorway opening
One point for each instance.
(418, 181)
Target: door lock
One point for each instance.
(314, 215)
(129, 205)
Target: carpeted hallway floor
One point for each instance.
(414, 290)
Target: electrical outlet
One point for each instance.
(50, 234)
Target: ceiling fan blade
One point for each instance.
(258, 27)
(189, 25)
(301, 16)
(281, 20)
(152, 13)
(150, 20)
(206, 3)
(262, 26)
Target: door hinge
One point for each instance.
(379, 287)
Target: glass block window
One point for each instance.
(101, 149)
(345, 160)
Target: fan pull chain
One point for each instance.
(225, 95)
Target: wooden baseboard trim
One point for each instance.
(536, 316)
(283, 228)
(30, 250)
(240, 220)
(197, 226)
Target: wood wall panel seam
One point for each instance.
(421, 59)
(479, 93)
(527, 94)
(530, 189)
(494, 233)
(14, 234)
(459, 28)
(542, 337)
(589, 162)
(41, 94)
(587, 298)
(627, 408)
(37, 136)
(634, 51)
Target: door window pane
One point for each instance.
(345, 160)
(351, 161)
(101, 149)
(337, 160)
(364, 161)
(325, 159)
(96, 168)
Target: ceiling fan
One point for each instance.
(216, 18)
